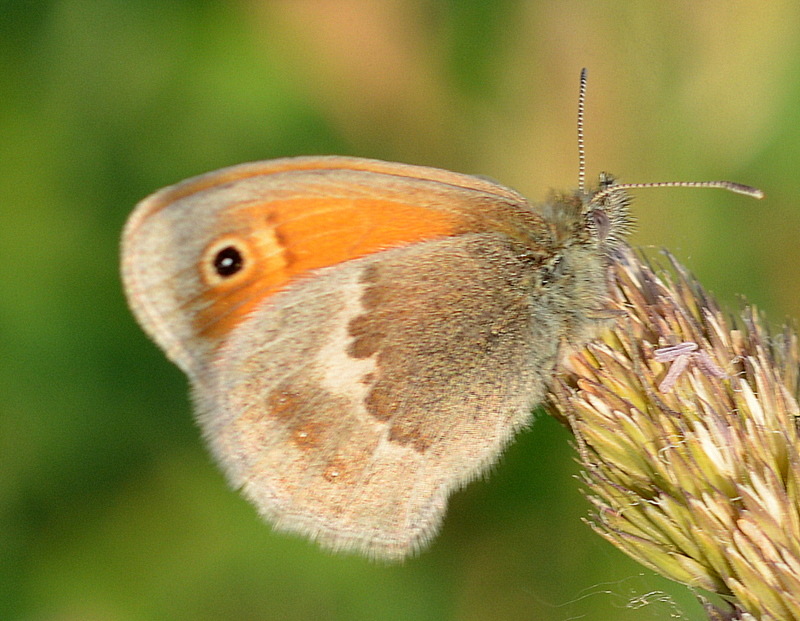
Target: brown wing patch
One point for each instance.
(307, 420)
(319, 425)
(442, 331)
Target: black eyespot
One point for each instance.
(228, 261)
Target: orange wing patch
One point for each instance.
(281, 241)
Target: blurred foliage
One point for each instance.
(109, 506)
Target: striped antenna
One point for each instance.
(581, 152)
(725, 185)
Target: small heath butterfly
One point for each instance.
(363, 338)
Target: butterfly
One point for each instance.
(362, 338)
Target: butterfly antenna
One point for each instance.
(725, 185)
(581, 152)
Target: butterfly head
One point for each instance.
(606, 214)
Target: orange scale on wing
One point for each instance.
(287, 239)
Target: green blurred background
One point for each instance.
(109, 506)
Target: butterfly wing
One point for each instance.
(287, 217)
(377, 349)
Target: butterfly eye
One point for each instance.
(228, 261)
(601, 223)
